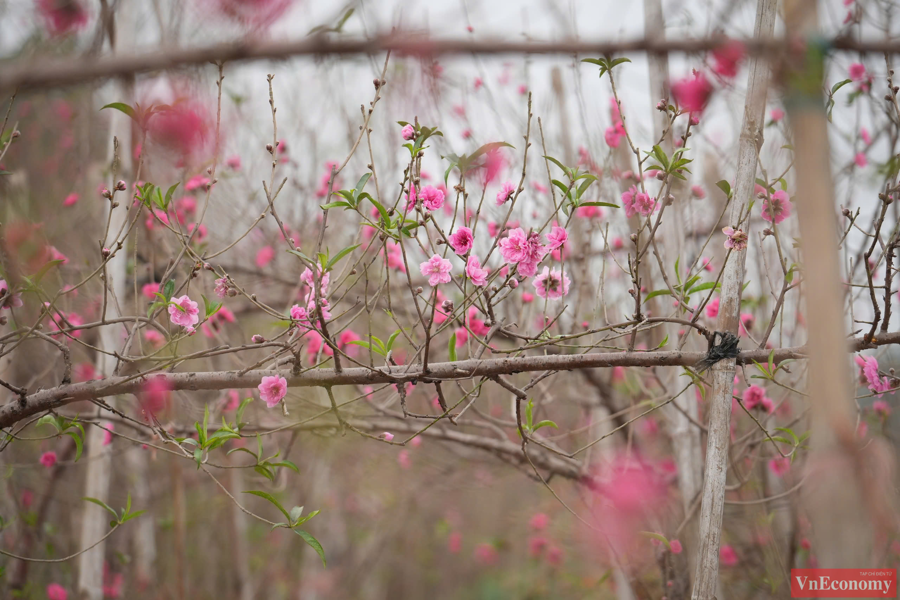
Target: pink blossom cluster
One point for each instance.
(523, 250)
(868, 371)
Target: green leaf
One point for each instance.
(392, 339)
(340, 255)
(121, 106)
(49, 420)
(451, 347)
(725, 187)
(839, 85)
(564, 168)
(131, 516)
(309, 539)
(545, 423)
(240, 411)
(702, 287)
(362, 182)
(609, 204)
(271, 499)
(104, 505)
(79, 444)
(664, 342)
(656, 293)
(169, 289)
(338, 204)
(210, 308)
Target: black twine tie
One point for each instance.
(727, 348)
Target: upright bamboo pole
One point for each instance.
(834, 497)
(722, 372)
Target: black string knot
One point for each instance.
(726, 348)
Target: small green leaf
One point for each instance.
(725, 187)
(656, 293)
(79, 444)
(451, 347)
(271, 499)
(545, 423)
(340, 255)
(309, 539)
(121, 106)
(103, 504)
(169, 289)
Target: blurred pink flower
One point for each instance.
(454, 542)
(539, 521)
(776, 115)
(272, 389)
(780, 466)
(868, 370)
(692, 93)
(675, 546)
(196, 182)
(536, 545)
(881, 408)
(234, 162)
(727, 556)
(154, 396)
(864, 134)
(506, 193)
(184, 127)
(861, 160)
(7, 299)
(387, 436)
(857, 72)
(48, 459)
(264, 256)
(777, 207)
(56, 592)
(70, 199)
(107, 433)
(254, 13)
(698, 192)
(728, 57)
(486, 554)
(753, 396)
(63, 16)
(403, 459)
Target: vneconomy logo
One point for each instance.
(843, 583)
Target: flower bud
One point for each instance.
(106, 193)
(121, 186)
(513, 283)
(16, 134)
(257, 339)
(419, 290)
(447, 306)
(105, 253)
(269, 148)
(232, 292)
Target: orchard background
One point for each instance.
(446, 299)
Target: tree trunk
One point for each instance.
(713, 502)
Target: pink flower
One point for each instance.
(184, 126)
(56, 592)
(154, 396)
(557, 237)
(299, 314)
(857, 72)
(387, 436)
(753, 397)
(881, 408)
(539, 187)
(7, 299)
(201, 232)
(554, 556)
(234, 162)
(324, 279)
(257, 14)
(437, 270)
(514, 247)
(780, 466)
(675, 546)
(539, 521)
(527, 297)
(272, 389)
(698, 192)
(107, 434)
(486, 554)
(475, 272)
(408, 132)
(523, 89)
(154, 338)
(536, 545)
(477, 326)
(506, 193)
(395, 257)
(461, 240)
(736, 240)
(776, 115)
(613, 136)
(712, 308)
(777, 207)
(868, 370)
(551, 284)
(70, 199)
(221, 288)
(454, 542)
(62, 17)
(431, 197)
(727, 556)
(344, 342)
(864, 134)
(861, 160)
(728, 57)
(403, 459)
(196, 182)
(48, 459)
(187, 205)
(264, 256)
(494, 161)
(57, 255)
(636, 202)
(692, 93)
(478, 83)
(184, 312)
